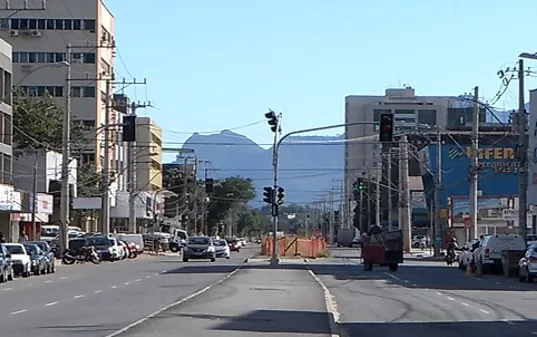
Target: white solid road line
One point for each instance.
(78, 296)
(392, 276)
(331, 306)
(7, 289)
(51, 304)
(174, 304)
(18, 312)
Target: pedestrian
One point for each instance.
(2, 238)
(23, 237)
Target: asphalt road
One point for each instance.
(94, 301)
(426, 299)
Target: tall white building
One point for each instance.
(39, 40)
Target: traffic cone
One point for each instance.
(468, 270)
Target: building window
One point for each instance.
(427, 117)
(8, 129)
(83, 58)
(7, 92)
(404, 112)
(89, 25)
(76, 91)
(77, 24)
(7, 169)
(378, 112)
(88, 158)
(41, 90)
(82, 91)
(37, 57)
(88, 123)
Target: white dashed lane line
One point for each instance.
(51, 304)
(18, 312)
(97, 291)
(78, 296)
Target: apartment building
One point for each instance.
(148, 155)
(39, 39)
(7, 192)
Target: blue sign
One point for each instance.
(437, 239)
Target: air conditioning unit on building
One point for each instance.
(13, 33)
(36, 33)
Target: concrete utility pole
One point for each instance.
(34, 200)
(105, 199)
(377, 194)
(131, 172)
(389, 183)
(361, 213)
(66, 154)
(474, 167)
(404, 195)
(437, 193)
(331, 217)
(522, 155)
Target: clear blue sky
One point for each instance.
(216, 64)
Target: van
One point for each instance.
(488, 255)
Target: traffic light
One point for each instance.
(272, 120)
(209, 185)
(361, 185)
(129, 128)
(268, 195)
(386, 128)
(280, 196)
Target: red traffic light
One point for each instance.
(386, 128)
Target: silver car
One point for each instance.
(527, 265)
(199, 248)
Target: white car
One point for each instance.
(22, 265)
(116, 250)
(242, 242)
(221, 249)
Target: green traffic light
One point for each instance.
(361, 186)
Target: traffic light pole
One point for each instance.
(275, 163)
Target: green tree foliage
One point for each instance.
(37, 124)
(253, 223)
(232, 192)
(284, 223)
(174, 180)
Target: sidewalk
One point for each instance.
(256, 301)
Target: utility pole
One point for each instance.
(131, 172)
(404, 194)
(331, 217)
(474, 167)
(522, 155)
(66, 154)
(377, 194)
(389, 183)
(106, 164)
(437, 193)
(361, 213)
(34, 200)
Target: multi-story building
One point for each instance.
(39, 39)
(6, 140)
(148, 155)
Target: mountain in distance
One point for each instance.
(306, 166)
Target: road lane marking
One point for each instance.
(392, 276)
(331, 306)
(174, 304)
(450, 298)
(477, 278)
(497, 283)
(7, 289)
(439, 293)
(31, 284)
(138, 280)
(18, 312)
(484, 311)
(48, 281)
(97, 291)
(127, 283)
(63, 278)
(51, 304)
(113, 287)
(78, 296)
(465, 304)
(414, 285)
(148, 276)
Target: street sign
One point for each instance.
(512, 214)
(438, 239)
(467, 221)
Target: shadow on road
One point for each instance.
(210, 268)
(278, 321)
(439, 329)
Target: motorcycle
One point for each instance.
(86, 254)
(132, 252)
(450, 257)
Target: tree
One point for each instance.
(38, 124)
(230, 193)
(253, 223)
(174, 180)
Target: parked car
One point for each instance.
(6, 266)
(49, 255)
(527, 265)
(488, 256)
(222, 249)
(22, 265)
(199, 248)
(37, 257)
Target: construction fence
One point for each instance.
(292, 245)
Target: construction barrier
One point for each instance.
(294, 246)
